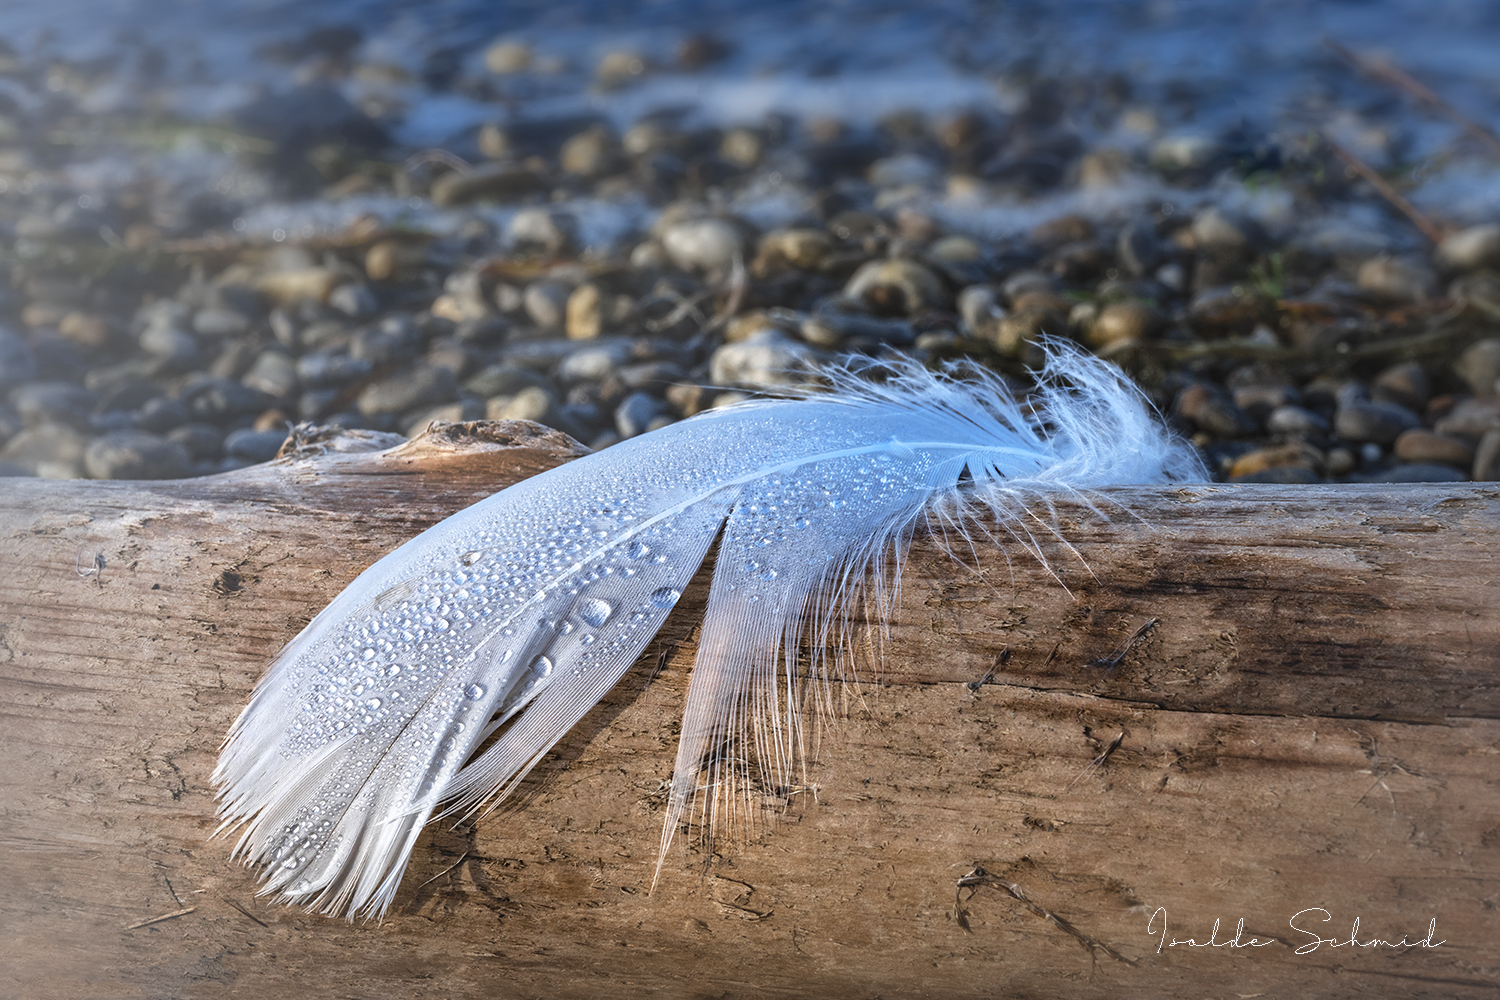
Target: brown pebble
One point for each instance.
(85, 330)
(1420, 445)
(1062, 230)
(1122, 321)
(1298, 454)
(1404, 384)
(584, 313)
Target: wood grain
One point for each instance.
(1312, 722)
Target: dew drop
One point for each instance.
(665, 597)
(801, 523)
(369, 653)
(474, 692)
(373, 704)
(595, 612)
(470, 558)
(541, 667)
(638, 550)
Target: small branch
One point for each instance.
(165, 916)
(1389, 193)
(1379, 69)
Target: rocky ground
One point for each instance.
(159, 320)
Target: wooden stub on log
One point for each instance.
(1269, 708)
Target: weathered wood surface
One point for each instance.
(1314, 722)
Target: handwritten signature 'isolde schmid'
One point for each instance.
(1303, 922)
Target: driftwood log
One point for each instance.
(1034, 795)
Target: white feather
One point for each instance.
(514, 617)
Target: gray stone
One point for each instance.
(17, 363)
(160, 415)
(1472, 417)
(1404, 384)
(1212, 411)
(1397, 280)
(703, 245)
(54, 402)
(635, 413)
(1479, 366)
(547, 303)
(765, 360)
(979, 307)
(1420, 472)
(499, 182)
(549, 230)
(1283, 474)
(1469, 249)
(396, 338)
(331, 369)
(1380, 423)
(204, 442)
(595, 360)
(1294, 419)
(219, 322)
(51, 450)
(1487, 457)
(591, 154)
(504, 380)
(532, 402)
(217, 400)
(136, 455)
(324, 334)
(1138, 248)
(170, 343)
(1218, 232)
(273, 373)
(254, 446)
(355, 300)
(427, 385)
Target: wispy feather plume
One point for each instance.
(506, 623)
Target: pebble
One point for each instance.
(504, 380)
(1262, 459)
(531, 402)
(594, 359)
(1223, 310)
(497, 182)
(1479, 366)
(203, 442)
(584, 313)
(273, 373)
(546, 303)
(550, 231)
(294, 285)
(766, 360)
(1379, 423)
(504, 58)
(1418, 445)
(160, 415)
(54, 402)
(1469, 249)
(1396, 280)
(136, 455)
(17, 363)
(897, 287)
(323, 370)
(591, 154)
(87, 330)
(1216, 231)
(169, 343)
(355, 300)
(220, 323)
(1404, 384)
(52, 451)
(703, 245)
(1487, 457)
(254, 446)
(635, 413)
(1119, 322)
(1419, 472)
(1471, 417)
(1293, 419)
(801, 249)
(425, 385)
(396, 338)
(1139, 249)
(1211, 409)
(219, 400)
